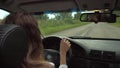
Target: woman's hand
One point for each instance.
(64, 47)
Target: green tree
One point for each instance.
(63, 15)
(77, 15)
(42, 17)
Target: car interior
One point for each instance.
(85, 52)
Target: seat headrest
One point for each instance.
(13, 45)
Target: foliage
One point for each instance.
(51, 26)
(116, 12)
(77, 15)
(117, 23)
(41, 17)
(61, 16)
(61, 22)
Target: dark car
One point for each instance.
(91, 26)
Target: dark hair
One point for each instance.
(29, 23)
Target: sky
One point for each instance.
(3, 14)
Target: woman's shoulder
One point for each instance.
(42, 64)
(47, 64)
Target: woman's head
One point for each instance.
(29, 23)
(25, 20)
(34, 56)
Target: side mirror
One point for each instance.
(98, 17)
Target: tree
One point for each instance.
(42, 17)
(77, 15)
(63, 15)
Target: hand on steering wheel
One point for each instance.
(57, 50)
(64, 47)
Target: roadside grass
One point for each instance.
(48, 27)
(117, 23)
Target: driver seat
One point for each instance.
(13, 46)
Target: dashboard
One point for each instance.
(89, 53)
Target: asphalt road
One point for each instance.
(100, 30)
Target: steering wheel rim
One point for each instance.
(52, 51)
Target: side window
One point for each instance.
(3, 14)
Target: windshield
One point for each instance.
(3, 14)
(69, 24)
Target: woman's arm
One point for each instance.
(64, 47)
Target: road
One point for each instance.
(100, 30)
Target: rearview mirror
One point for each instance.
(98, 17)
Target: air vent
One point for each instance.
(95, 54)
(108, 55)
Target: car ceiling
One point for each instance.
(57, 5)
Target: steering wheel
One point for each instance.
(51, 50)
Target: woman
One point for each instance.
(34, 57)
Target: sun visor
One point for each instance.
(57, 5)
(48, 6)
(96, 4)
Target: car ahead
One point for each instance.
(92, 45)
